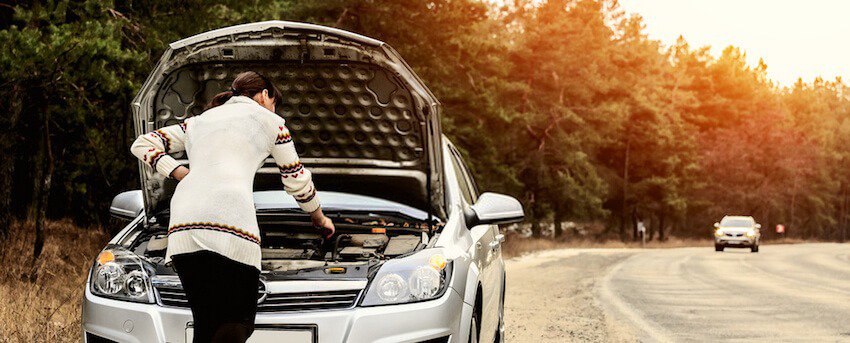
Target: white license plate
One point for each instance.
(265, 335)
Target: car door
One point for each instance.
(486, 250)
(495, 266)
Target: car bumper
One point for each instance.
(735, 241)
(123, 321)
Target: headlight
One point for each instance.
(419, 277)
(718, 232)
(121, 274)
(751, 233)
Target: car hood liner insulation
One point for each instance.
(351, 111)
(361, 119)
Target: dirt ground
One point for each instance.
(517, 246)
(560, 306)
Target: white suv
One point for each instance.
(737, 232)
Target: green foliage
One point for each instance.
(65, 64)
(565, 104)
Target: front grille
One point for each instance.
(173, 295)
(733, 234)
(285, 302)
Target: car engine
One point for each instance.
(292, 244)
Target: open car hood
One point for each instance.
(276, 201)
(363, 121)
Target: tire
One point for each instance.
(500, 330)
(474, 330)
(754, 248)
(718, 247)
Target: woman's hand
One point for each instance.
(322, 223)
(180, 172)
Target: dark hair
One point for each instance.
(248, 83)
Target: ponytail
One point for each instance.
(248, 83)
(219, 99)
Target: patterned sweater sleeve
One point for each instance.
(297, 180)
(154, 148)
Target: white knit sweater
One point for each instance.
(213, 207)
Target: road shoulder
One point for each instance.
(552, 297)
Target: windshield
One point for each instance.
(736, 222)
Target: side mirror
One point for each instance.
(494, 208)
(716, 224)
(127, 205)
(758, 226)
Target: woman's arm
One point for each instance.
(297, 180)
(154, 148)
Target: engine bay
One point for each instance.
(286, 251)
(290, 245)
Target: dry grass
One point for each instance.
(518, 246)
(41, 300)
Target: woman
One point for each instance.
(213, 236)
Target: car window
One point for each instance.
(465, 189)
(473, 187)
(466, 175)
(736, 222)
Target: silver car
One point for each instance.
(737, 232)
(417, 253)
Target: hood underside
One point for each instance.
(362, 121)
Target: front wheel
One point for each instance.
(718, 247)
(473, 326)
(754, 248)
(500, 330)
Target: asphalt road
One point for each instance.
(785, 293)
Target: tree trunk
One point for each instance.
(624, 210)
(635, 221)
(793, 205)
(650, 229)
(661, 223)
(842, 217)
(7, 167)
(44, 191)
(536, 232)
(535, 221)
(559, 229)
(7, 160)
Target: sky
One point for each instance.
(803, 38)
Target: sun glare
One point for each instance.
(795, 38)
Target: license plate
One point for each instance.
(265, 335)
